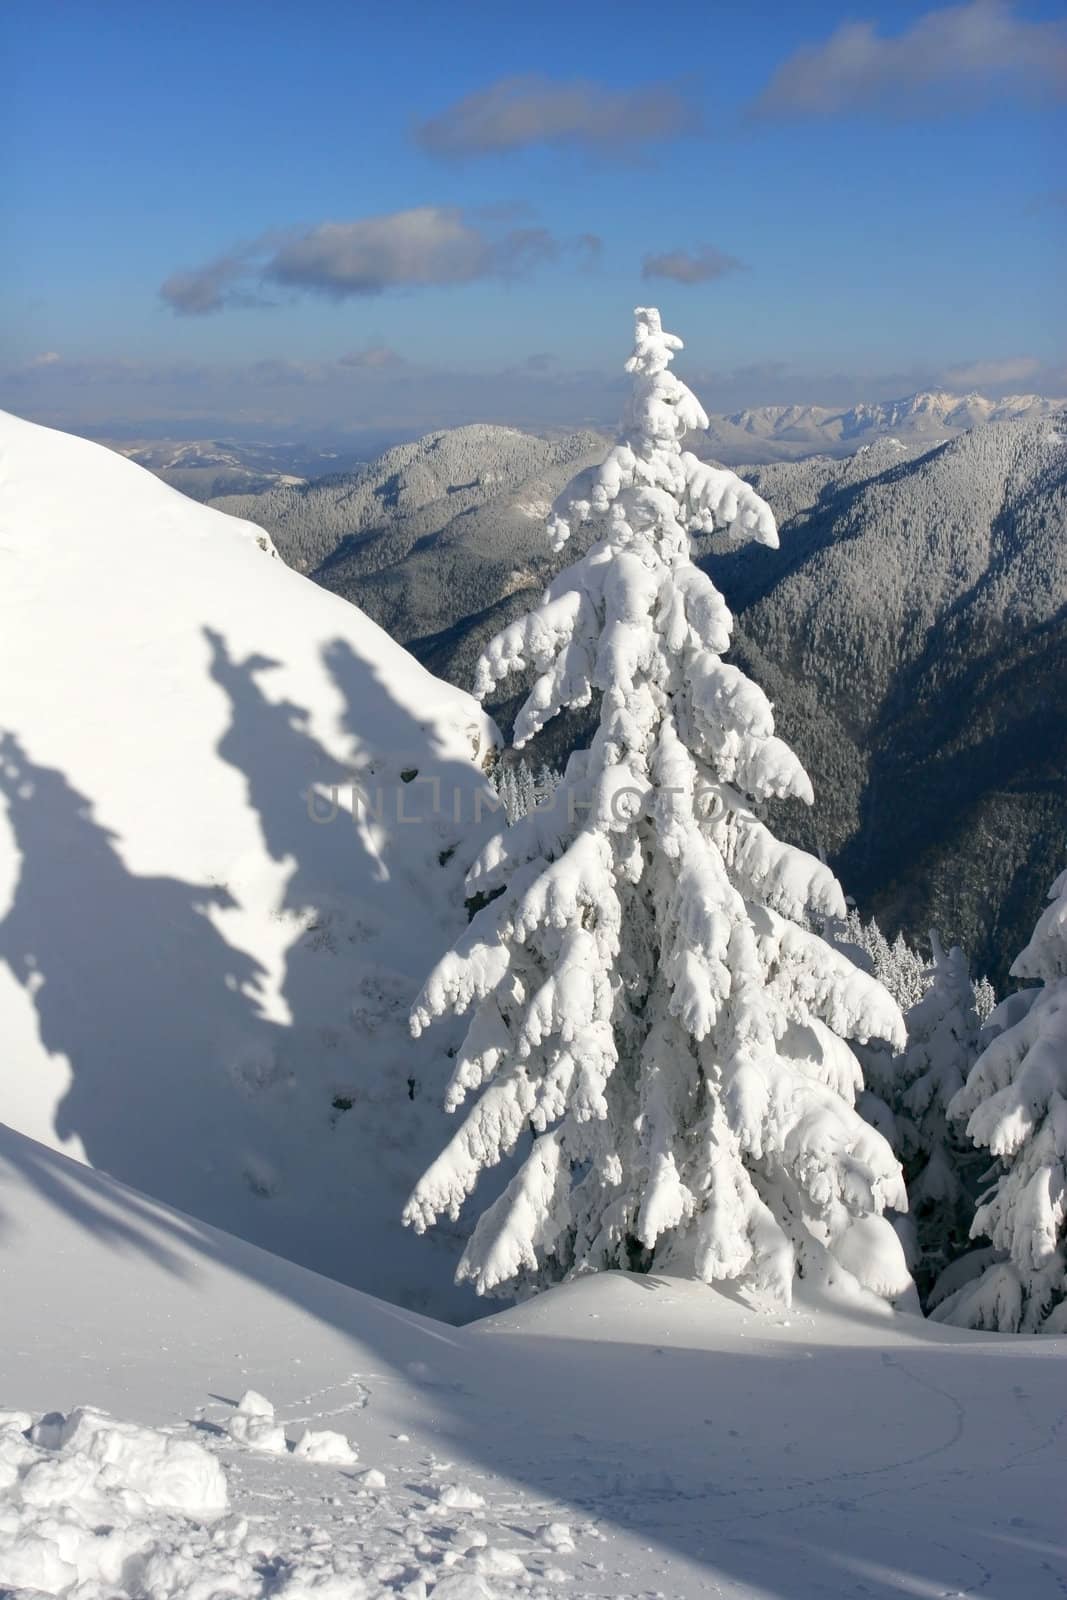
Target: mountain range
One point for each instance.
(788, 433)
(909, 630)
(206, 468)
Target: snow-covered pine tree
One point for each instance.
(1015, 1103)
(546, 782)
(941, 1166)
(898, 966)
(513, 782)
(985, 999)
(521, 788)
(646, 999)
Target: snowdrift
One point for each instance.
(206, 969)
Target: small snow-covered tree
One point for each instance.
(941, 1166)
(907, 975)
(898, 966)
(1015, 1105)
(514, 784)
(647, 1000)
(521, 788)
(985, 1000)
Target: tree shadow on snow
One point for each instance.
(130, 979)
(283, 1106)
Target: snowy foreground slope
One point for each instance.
(203, 991)
(619, 1437)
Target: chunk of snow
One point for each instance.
(254, 1404)
(85, 1507)
(167, 1473)
(871, 1250)
(325, 1448)
(253, 1425)
(458, 1497)
(497, 1563)
(556, 1536)
(462, 1586)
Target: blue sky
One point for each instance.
(417, 213)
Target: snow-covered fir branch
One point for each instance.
(907, 1093)
(1015, 1105)
(942, 1167)
(646, 996)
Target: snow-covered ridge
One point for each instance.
(790, 432)
(202, 990)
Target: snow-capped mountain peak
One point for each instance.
(789, 432)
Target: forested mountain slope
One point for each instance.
(912, 632)
(441, 541)
(202, 991)
(422, 496)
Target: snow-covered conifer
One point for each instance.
(985, 1000)
(898, 966)
(1015, 1103)
(940, 1164)
(514, 784)
(521, 788)
(647, 1000)
(546, 782)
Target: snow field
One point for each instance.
(682, 1443)
(90, 1505)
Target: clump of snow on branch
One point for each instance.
(1015, 1105)
(653, 1026)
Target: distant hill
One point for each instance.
(789, 433)
(206, 468)
(441, 541)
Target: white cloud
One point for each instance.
(956, 56)
(424, 247)
(992, 374)
(517, 112)
(691, 266)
